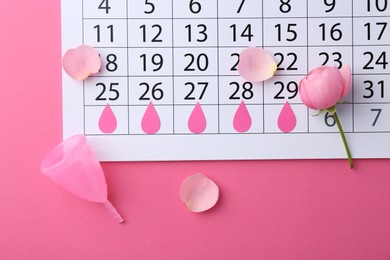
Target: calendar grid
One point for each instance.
(307, 62)
(232, 17)
(262, 45)
(353, 68)
(173, 66)
(264, 17)
(318, 133)
(157, 52)
(83, 83)
(234, 46)
(218, 73)
(128, 70)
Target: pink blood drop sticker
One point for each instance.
(242, 121)
(197, 120)
(107, 120)
(151, 121)
(287, 119)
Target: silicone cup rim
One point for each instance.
(49, 163)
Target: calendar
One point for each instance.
(169, 88)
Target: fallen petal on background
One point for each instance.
(199, 193)
(256, 64)
(81, 62)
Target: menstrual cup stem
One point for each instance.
(113, 212)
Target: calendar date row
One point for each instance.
(223, 61)
(222, 90)
(236, 32)
(236, 8)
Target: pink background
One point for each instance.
(267, 210)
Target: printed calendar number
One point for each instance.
(110, 30)
(377, 112)
(104, 9)
(149, 6)
(330, 121)
(104, 5)
(240, 32)
(282, 88)
(158, 90)
(201, 32)
(197, 62)
(285, 6)
(332, 58)
(189, 9)
(332, 31)
(111, 64)
(286, 61)
(195, 7)
(374, 88)
(326, 123)
(378, 5)
(193, 87)
(153, 36)
(375, 61)
(288, 32)
(242, 91)
(100, 91)
(151, 92)
(379, 25)
(195, 32)
(290, 60)
(156, 60)
(331, 4)
(371, 89)
(105, 33)
(190, 90)
(285, 32)
(284, 9)
(372, 118)
(110, 93)
(289, 90)
(148, 62)
(331, 8)
(335, 31)
(243, 33)
(237, 60)
(240, 7)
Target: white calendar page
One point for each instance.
(169, 88)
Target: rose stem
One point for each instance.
(336, 118)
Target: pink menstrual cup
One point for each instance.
(73, 165)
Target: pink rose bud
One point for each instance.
(324, 86)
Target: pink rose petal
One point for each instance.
(199, 193)
(322, 88)
(304, 96)
(347, 77)
(256, 64)
(81, 62)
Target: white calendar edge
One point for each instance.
(167, 148)
(72, 91)
(238, 147)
